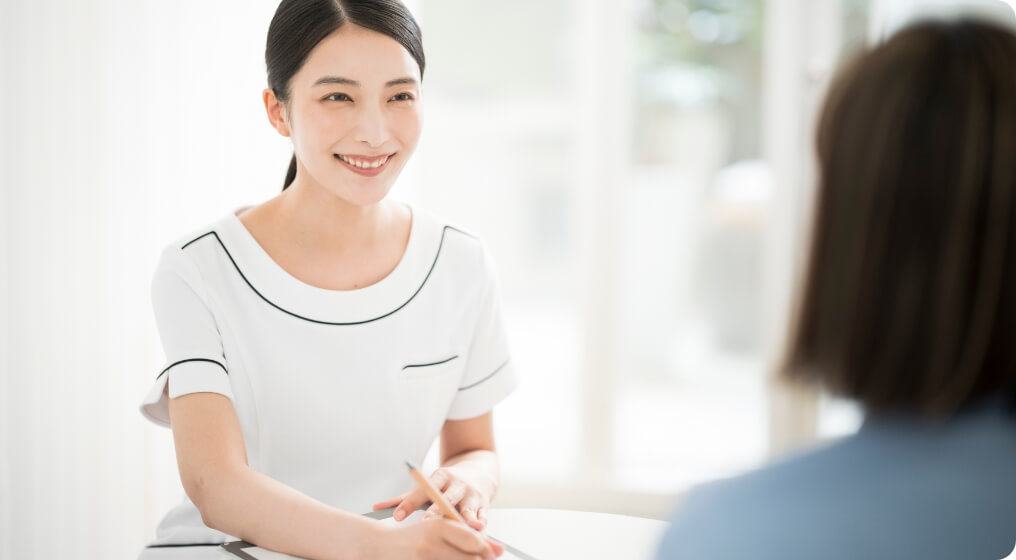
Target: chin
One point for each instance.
(355, 190)
(362, 195)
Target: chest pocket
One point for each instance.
(426, 391)
(434, 370)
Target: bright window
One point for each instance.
(613, 156)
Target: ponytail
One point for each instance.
(291, 174)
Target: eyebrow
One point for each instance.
(347, 82)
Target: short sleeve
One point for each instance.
(190, 337)
(490, 375)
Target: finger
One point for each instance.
(440, 479)
(481, 514)
(391, 502)
(495, 547)
(469, 508)
(465, 539)
(441, 549)
(412, 502)
(456, 492)
(470, 518)
(433, 512)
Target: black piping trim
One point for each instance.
(174, 364)
(466, 233)
(496, 371)
(430, 364)
(273, 304)
(187, 244)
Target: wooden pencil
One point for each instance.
(434, 494)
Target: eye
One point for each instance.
(337, 97)
(402, 97)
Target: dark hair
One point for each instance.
(299, 25)
(909, 294)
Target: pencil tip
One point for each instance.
(410, 465)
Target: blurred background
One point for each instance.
(640, 169)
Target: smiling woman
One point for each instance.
(318, 340)
(290, 40)
(370, 123)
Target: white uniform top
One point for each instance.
(334, 390)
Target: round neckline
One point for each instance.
(289, 294)
(413, 234)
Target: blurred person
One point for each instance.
(908, 307)
(317, 341)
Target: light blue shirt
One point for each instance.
(900, 488)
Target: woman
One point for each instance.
(317, 341)
(908, 307)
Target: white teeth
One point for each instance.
(364, 164)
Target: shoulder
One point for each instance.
(192, 240)
(432, 222)
(837, 501)
(777, 509)
(456, 245)
(183, 256)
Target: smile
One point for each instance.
(365, 163)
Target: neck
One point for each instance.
(325, 222)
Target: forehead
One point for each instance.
(359, 54)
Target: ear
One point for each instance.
(276, 112)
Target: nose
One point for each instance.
(371, 126)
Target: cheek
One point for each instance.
(328, 128)
(318, 130)
(407, 126)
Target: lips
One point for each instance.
(368, 166)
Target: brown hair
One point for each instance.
(909, 294)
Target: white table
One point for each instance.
(554, 534)
(545, 534)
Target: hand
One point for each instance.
(466, 487)
(438, 539)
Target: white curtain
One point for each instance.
(125, 124)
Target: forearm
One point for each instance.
(256, 508)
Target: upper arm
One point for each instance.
(195, 360)
(193, 393)
(459, 436)
(208, 440)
